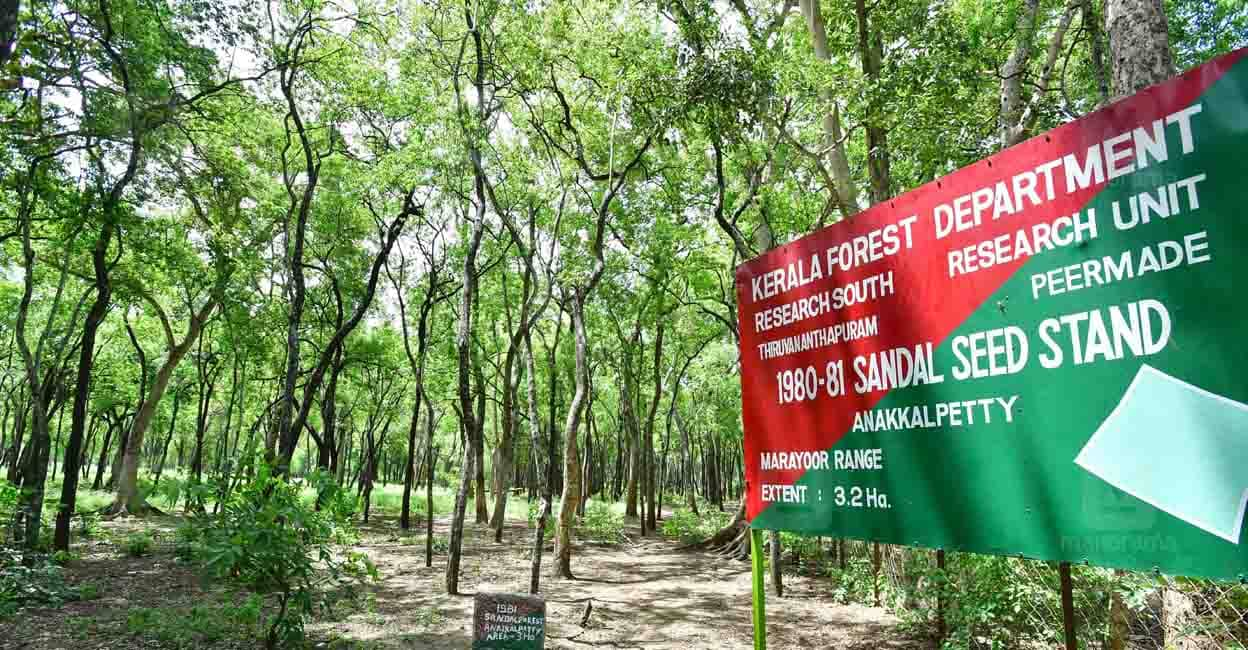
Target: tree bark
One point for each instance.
(571, 459)
(648, 435)
(463, 347)
(838, 163)
(871, 53)
(506, 445)
(128, 499)
(1139, 43)
(535, 429)
(432, 454)
(478, 445)
(629, 414)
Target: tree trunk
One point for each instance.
(838, 163)
(535, 429)
(463, 347)
(687, 478)
(478, 445)
(777, 581)
(871, 53)
(506, 446)
(129, 500)
(648, 435)
(571, 459)
(98, 483)
(1014, 71)
(1139, 45)
(431, 463)
(409, 465)
(15, 450)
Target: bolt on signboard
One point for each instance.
(1035, 355)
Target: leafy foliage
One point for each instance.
(270, 541)
(138, 544)
(233, 618)
(34, 581)
(689, 528)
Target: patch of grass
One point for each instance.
(89, 525)
(427, 617)
(440, 542)
(388, 500)
(199, 626)
(138, 544)
(83, 627)
(601, 524)
(88, 500)
(88, 591)
(690, 528)
(63, 558)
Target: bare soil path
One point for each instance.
(645, 594)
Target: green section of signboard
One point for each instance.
(1014, 487)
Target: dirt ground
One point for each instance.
(645, 594)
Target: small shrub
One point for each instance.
(269, 540)
(186, 541)
(88, 591)
(138, 544)
(687, 527)
(601, 524)
(89, 525)
(32, 581)
(8, 503)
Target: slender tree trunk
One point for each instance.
(572, 465)
(871, 53)
(56, 445)
(164, 448)
(506, 445)
(838, 163)
(409, 467)
(634, 436)
(1139, 44)
(687, 478)
(114, 468)
(587, 468)
(98, 483)
(19, 434)
(478, 445)
(535, 429)
(651, 488)
(463, 346)
(432, 455)
(777, 581)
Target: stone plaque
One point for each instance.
(508, 622)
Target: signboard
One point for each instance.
(508, 622)
(1036, 355)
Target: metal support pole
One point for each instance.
(1068, 605)
(756, 567)
(875, 572)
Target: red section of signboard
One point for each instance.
(925, 304)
